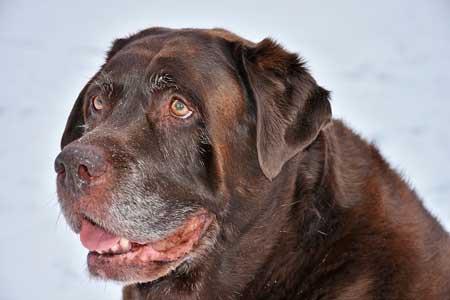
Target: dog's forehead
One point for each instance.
(190, 55)
(195, 61)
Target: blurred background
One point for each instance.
(386, 62)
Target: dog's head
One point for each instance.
(177, 130)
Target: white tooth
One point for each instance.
(115, 248)
(99, 251)
(125, 244)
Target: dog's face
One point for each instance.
(177, 128)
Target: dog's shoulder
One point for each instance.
(393, 239)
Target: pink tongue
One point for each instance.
(95, 238)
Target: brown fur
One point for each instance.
(304, 207)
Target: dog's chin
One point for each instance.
(130, 262)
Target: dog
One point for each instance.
(197, 164)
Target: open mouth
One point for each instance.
(118, 258)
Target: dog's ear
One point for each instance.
(75, 122)
(74, 126)
(291, 109)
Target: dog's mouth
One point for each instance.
(121, 259)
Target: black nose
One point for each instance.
(79, 166)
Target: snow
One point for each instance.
(387, 63)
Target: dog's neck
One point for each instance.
(276, 256)
(309, 224)
(321, 224)
(271, 260)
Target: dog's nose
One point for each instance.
(79, 166)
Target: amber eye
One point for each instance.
(179, 109)
(98, 103)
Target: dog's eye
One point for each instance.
(179, 109)
(97, 103)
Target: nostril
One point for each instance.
(60, 169)
(62, 172)
(80, 166)
(83, 173)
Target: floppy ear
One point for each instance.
(75, 122)
(291, 109)
(74, 126)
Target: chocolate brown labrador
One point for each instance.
(196, 164)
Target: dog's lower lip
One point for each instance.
(152, 259)
(101, 241)
(132, 250)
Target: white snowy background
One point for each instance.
(387, 63)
